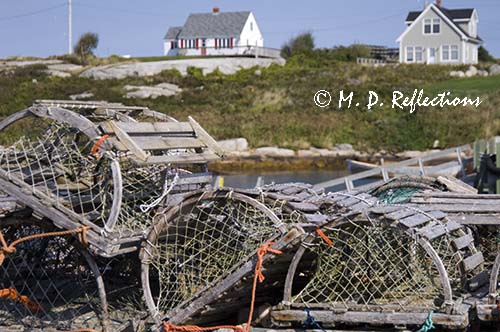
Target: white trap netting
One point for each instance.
(372, 263)
(205, 238)
(48, 283)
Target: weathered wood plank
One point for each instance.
(206, 138)
(419, 219)
(471, 262)
(149, 127)
(194, 158)
(463, 241)
(483, 208)
(449, 200)
(306, 207)
(474, 219)
(167, 143)
(126, 140)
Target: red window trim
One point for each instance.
(216, 43)
(197, 43)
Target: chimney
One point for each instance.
(439, 3)
(216, 10)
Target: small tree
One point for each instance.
(303, 43)
(86, 45)
(484, 56)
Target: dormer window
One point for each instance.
(432, 26)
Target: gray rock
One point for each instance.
(234, 145)
(344, 147)
(274, 152)
(308, 153)
(325, 153)
(472, 70)
(457, 73)
(483, 73)
(207, 65)
(144, 92)
(495, 69)
(83, 95)
(65, 67)
(24, 63)
(354, 81)
(258, 72)
(57, 73)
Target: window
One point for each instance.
(446, 53)
(409, 54)
(454, 52)
(432, 26)
(427, 26)
(418, 54)
(251, 26)
(436, 25)
(450, 53)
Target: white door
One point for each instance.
(432, 55)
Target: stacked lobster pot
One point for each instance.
(109, 222)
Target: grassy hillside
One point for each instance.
(277, 108)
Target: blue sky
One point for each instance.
(39, 28)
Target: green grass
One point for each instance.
(467, 86)
(277, 108)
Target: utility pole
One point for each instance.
(70, 28)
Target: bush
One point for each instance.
(86, 45)
(303, 43)
(484, 56)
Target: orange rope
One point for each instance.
(266, 248)
(324, 237)
(99, 142)
(12, 295)
(10, 249)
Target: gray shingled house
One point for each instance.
(440, 35)
(215, 33)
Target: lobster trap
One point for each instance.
(49, 282)
(388, 264)
(205, 247)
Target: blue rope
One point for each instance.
(311, 322)
(428, 324)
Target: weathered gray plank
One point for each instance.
(475, 219)
(463, 241)
(471, 262)
(149, 127)
(420, 218)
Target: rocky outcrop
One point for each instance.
(471, 72)
(234, 145)
(495, 69)
(274, 152)
(145, 92)
(83, 95)
(207, 65)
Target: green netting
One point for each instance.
(397, 195)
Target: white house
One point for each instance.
(215, 33)
(440, 35)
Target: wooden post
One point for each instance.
(479, 149)
(497, 152)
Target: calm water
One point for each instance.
(249, 180)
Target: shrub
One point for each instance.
(303, 43)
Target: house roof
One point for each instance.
(211, 25)
(452, 15)
(173, 32)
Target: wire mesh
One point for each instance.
(202, 241)
(371, 263)
(48, 283)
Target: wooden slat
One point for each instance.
(470, 263)
(166, 143)
(493, 208)
(434, 231)
(125, 139)
(474, 219)
(450, 200)
(306, 207)
(149, 127)
(419, 219)
(205, 137)
(463, 241)
(195, 158)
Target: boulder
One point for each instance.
(234, 145)
(495, 69)
(344, 147)
(308, 154)
(472, 70)
(57, 73)
(274, 152)
(144, 92)
(83, 95)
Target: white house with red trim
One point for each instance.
(215, 33)
(440, 35)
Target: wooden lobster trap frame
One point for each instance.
(387, 265)
(94, 164)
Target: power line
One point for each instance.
(115, 9)
(40, 11)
